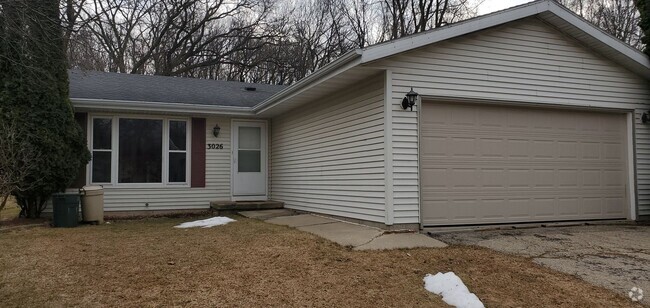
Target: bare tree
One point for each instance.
(173, 37)
(71, 11)
(115, 24)
(404, 17)
(16, 162)
(360, 15)
(267, 41)
(249, 40)
(619, 18)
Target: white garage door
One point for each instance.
(483, 164)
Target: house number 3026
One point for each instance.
(215, 146)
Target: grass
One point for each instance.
(251, 263)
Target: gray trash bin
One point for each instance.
(92, 203)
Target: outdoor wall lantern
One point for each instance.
(645, 118)
(409, 99)
(216, 130)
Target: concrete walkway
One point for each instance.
(359, 237)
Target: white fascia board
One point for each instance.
(345, 62)
(121, 105)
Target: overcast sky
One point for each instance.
(489, 6)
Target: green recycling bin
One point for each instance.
(65, 210)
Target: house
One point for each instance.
(524, 115)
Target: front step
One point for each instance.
(246, 205)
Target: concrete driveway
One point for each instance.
(616, 257)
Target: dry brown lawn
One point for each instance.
(251, 263)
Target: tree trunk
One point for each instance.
(4, 202)
(30, 207)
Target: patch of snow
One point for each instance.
(452, 289)
(206, 223)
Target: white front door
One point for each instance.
(249, 160)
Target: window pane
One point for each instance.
(140, 151)
(177, 164)
(248, 161)
(177, 135)
(249, 138)
(101, 167)
(102, 134)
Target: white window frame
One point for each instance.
(188, 137)
(92, 148)
(115, 121)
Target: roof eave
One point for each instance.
(124, 105)
(350, 59)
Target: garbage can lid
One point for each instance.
(92, 188)
(64, 194)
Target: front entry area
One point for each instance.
(487, 164)
(249, 160)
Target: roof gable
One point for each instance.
(525, 61)
(550, 11)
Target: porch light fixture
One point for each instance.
(216, 130)
(645, 118)
(409, 99)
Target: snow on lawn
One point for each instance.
(452, 289)
(206, 223)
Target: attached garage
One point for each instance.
(529, 114)
(485, 164)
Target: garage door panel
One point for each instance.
(496, 164)
(592, 206)
(590, 150)
(568, 149)
(435, 178)
(434, 146)
(491, 147)
(517, 208)
(543, 208)
(591, 178)
(494, 178)
(613, 151)
(544, 149)
(569, 207)
(612, 206)
(567, 178)
(461, 147)
(496, 210)
(518, 148)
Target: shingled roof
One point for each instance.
(163, 89)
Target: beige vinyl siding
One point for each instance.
(526, 61)
(328, 157)
(178, 198)
(642, 132)
(405, 163)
